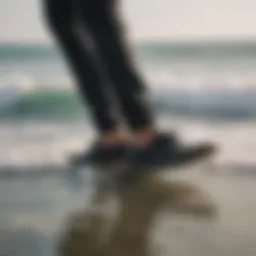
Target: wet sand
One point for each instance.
(205, 213)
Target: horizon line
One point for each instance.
(143, 41)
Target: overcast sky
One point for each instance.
(20, 20)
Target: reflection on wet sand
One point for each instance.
(130, 231)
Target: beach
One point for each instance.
(203, 92)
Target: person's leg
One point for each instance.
(60, 17)
(100, 17)
(151, 147)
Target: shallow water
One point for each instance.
(35, 214)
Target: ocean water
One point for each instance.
(203, 90)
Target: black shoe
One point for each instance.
(99, 154)
(167, 150)
(157, 152)
(164, 151)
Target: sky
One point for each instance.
(21, 20)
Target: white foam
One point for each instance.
(40, 144)
(19, 81)
(12, 86)
(44, 145)
(198, 78)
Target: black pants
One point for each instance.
(98, 18)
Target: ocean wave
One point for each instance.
(208, 104)
(14, 86)
(66, 104)
(44, 104)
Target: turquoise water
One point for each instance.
(196, 79)
(67, 105)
